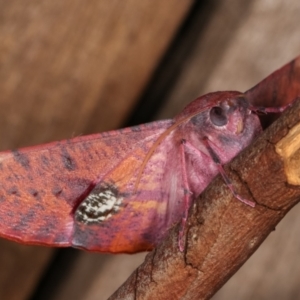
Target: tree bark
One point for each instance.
(222, 233)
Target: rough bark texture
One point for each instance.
(222, 232)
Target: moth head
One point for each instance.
(231, 114)
(223, 117)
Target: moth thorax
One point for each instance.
(99, 205)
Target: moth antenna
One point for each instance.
(266, 110)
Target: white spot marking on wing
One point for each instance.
(98, 207)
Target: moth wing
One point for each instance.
(131, 208)
(278, 89)
(43, 186)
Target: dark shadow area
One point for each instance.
(165, 76)
(59, 268)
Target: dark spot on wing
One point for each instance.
(25, 220)
(10, 213)
(21, 159)
(56, 191)
(67, 160)
(87, 149)
(13, 191)
(148, 237)
(2, 198)
(40, 207)
(45, 160)
(34, 193)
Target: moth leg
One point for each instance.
(187, 197)
(218, 163)
(228, 182)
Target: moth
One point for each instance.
(121, 191)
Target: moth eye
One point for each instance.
(218, 116)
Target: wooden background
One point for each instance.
(77, 67)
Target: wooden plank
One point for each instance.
(67, 68)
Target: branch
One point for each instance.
(222, 233)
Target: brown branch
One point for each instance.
(222, 233)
